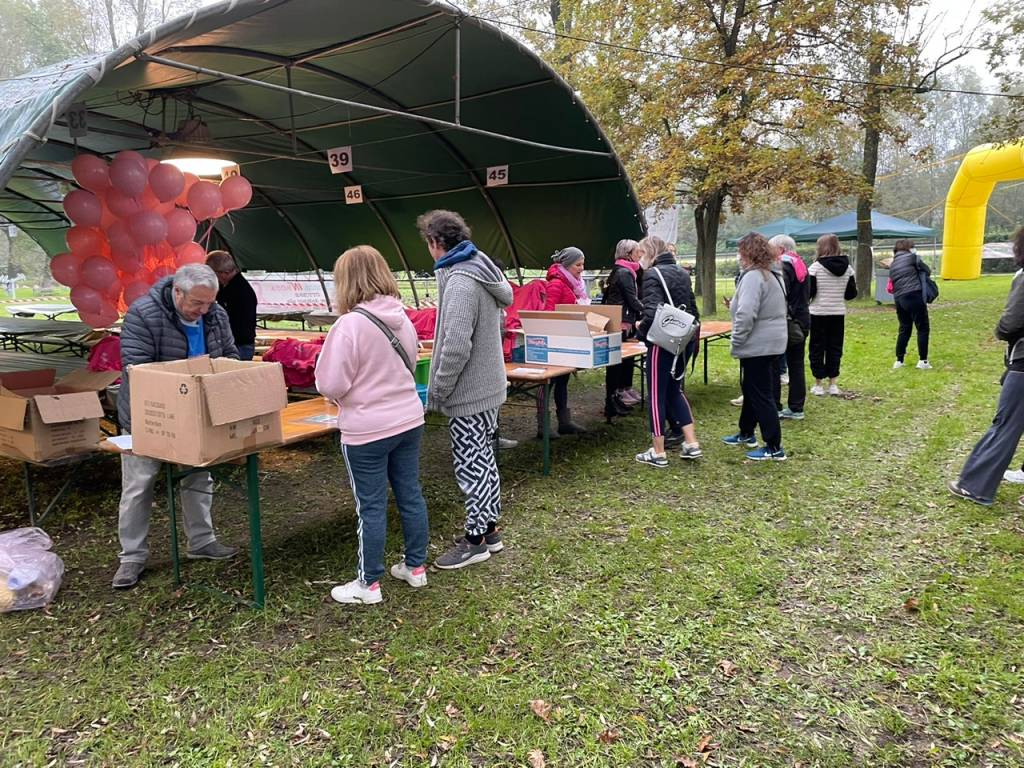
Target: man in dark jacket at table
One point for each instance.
(238, 299)
(179, 318)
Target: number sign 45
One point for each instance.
(497, 176)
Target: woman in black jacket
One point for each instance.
(666, 399)
(621, 290)
(911, 308)
(794, 272)
(984, 468)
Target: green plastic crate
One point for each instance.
(423, 371)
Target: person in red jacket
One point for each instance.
(565, 286)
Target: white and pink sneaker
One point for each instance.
(414, 577)
(357, 592)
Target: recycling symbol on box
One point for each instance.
(183, 389)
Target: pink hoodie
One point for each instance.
(359, 370)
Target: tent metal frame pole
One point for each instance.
(145, 57)
(302, 242)
(458, 73)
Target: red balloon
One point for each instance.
(128, 175)
(66, 269)
(148, 227)
(84, 208)
(204, 199)
(112, 290)
(91, 172)
(130, 154)
(190, 181)
(167, 182)
(122, 205)
(190, 253)
(181, 227)
(129, 263)
(86, 241)
(151, 163)
(136, 289)
(105, 316)
(162, 271)
(98, 273)
(236, 192)
(86, 299)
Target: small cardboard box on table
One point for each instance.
(44, 418)
(578, 336)
(203, 411)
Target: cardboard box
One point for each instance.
(43, 418)
(200, 411)
(574, 336)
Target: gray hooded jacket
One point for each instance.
(467, 373)
(759, 314)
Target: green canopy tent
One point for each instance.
(787, 225)
(433, 104)
(844, 226)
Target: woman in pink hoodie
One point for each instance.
(380, 417)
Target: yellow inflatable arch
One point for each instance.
(963, 232)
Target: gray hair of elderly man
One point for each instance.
(783, 243)
(191, 275)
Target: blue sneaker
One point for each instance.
(764, 453)
(748, 441)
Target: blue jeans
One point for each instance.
(246, 351)
(370, 468)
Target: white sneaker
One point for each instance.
(737, 401)
(784, 379)
(818, 390)
(924, 365)
(357, 592)
(897, 364)
(414, 577)
(834, 390)
(1014, 476)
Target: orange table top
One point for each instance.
(715, 328)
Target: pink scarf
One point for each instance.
(799, 268)
(578, 289)
(632, 266)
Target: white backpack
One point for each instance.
(673, 327)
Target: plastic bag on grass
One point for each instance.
(30, 574)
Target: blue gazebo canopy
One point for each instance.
(844, 226)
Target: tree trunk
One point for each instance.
(109, 6)
(869, 168)
(707, 216)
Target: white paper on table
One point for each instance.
(527, 371)
(124, 442)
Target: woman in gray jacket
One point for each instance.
(759, 336)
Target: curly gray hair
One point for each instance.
(191, 275)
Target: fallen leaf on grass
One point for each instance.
(536, 758)
(728, 668)
(912, 605)
(686, 762)
(746, 728)
(609, 736)
(541, 709)
(451, 710)
(705, 745)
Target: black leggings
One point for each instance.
(912, 312)
(759, 400)
(826, 345)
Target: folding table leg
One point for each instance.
(546, 393)
(30, 493)
(172, 512)
(705, 361)
(252, 478)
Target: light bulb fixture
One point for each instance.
(200, 166)
(193, 130)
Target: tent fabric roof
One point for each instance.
(787, 225)
(393, 54)
(844, 226)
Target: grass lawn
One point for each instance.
(839, 609)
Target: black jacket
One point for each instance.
(678, 282)
(798, 295)
(239, 301)
(151, 333)
(621, 290)
(904, 273)
(1011, 323)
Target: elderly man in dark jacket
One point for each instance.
(178, 319)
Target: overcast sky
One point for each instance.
(958, 17)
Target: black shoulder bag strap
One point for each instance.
(392, 339)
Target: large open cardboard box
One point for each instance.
(203, 411)
(44, 418)
(579, 336)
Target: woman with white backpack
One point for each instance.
(664, 282)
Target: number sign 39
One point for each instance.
(353, 195)
(339, 159)
(497, 176)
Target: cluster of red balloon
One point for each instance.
(134, 222)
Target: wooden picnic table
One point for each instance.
(30, 361)
(300, 421)
(49, 311)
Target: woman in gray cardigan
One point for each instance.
(759, 336)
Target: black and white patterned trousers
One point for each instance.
(476, 469)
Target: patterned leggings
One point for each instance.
(476, 469)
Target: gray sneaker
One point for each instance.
(492, 540)
(212, 551)
(127, 575)
(691, 451)
(462, 554)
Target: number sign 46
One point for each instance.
(353, 195)
(339, 159)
